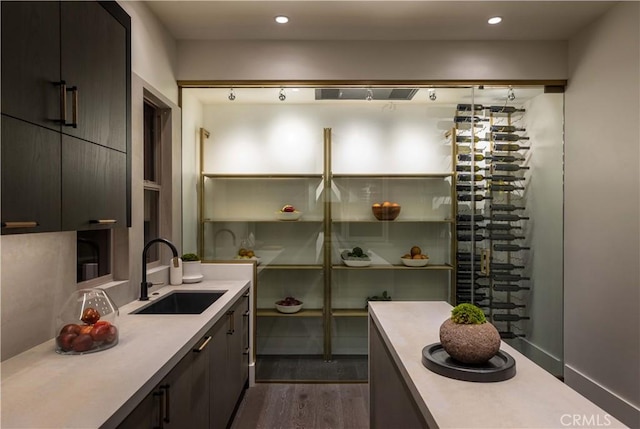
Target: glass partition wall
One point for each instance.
(345, 195)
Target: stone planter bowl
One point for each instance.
(470, 344)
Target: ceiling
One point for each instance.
(376, 20)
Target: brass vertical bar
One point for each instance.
(200, 190)
(326, 195)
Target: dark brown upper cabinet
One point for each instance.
(66, 68)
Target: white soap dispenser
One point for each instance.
(175, 271)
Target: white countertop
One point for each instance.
(43, 389)
(533, 398)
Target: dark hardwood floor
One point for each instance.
(304, 406)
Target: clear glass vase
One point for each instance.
(88, 323)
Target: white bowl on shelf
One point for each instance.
(288, 309)
(414, 262)
(288, 215)
(357, 262)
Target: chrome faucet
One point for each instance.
(144, 286)
(215, 238)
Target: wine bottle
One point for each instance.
(468, 168)
(508, 335)
(467, 275)
(469, 188)
(505, 188)
(493, 178)
(509, 167)
(505, 109)
(505, 129)
(509, 247)
(507, 217)
(500, 277)
(494, 109)
(499, 137)
(509, 147)
(466, 256)
(494, 217)
(472, 197)
(505, 207)
(467, 149)
(505, 237)
(474, 119)
(489, 226)
(509, 288)
(469, 139)
(469, 107)
(509, 317)
(505, 266)
(479, 157)
(505, 178)
(505, 305)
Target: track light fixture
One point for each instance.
(511, 95)
(232, 95)
(282, 96)
(369, 95)
(432, 94)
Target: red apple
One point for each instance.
(82, 343)
(65, 341)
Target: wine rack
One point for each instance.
(491, 156)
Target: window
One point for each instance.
(157, 141)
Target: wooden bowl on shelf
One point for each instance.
(386, 212)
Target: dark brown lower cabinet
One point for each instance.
(31, 161)
(202, 390)
(94, 186)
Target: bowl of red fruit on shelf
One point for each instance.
(289, 305)
(288, 212)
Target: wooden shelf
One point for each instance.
(393, 176)
(447, 221)
(262, 176)
(291, 267)
(270, 312)
(236, 220)
(349, 312)
(445, 267)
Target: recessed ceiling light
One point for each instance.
(495, 20)
(281, 19)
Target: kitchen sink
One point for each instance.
(181, 302)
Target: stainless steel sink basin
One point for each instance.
(181, 302)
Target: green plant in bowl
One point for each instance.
(190, 257)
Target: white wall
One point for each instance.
(153, 50)
(376, 60)
(602, 198)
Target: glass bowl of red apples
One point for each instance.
(87, 323)
(288, 212)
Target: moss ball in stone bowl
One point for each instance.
(467, 336)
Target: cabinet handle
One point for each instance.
(167, 405)
(231, 323)
(246, 295)
(161, 404)
(74, 107)
(203, 345)
(103, 221)
(246, 351)
(63, 102)
(25, 224)
(247, 313)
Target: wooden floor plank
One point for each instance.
(304, 406)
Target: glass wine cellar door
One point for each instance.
(455, 197)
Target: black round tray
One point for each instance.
(499, 368)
